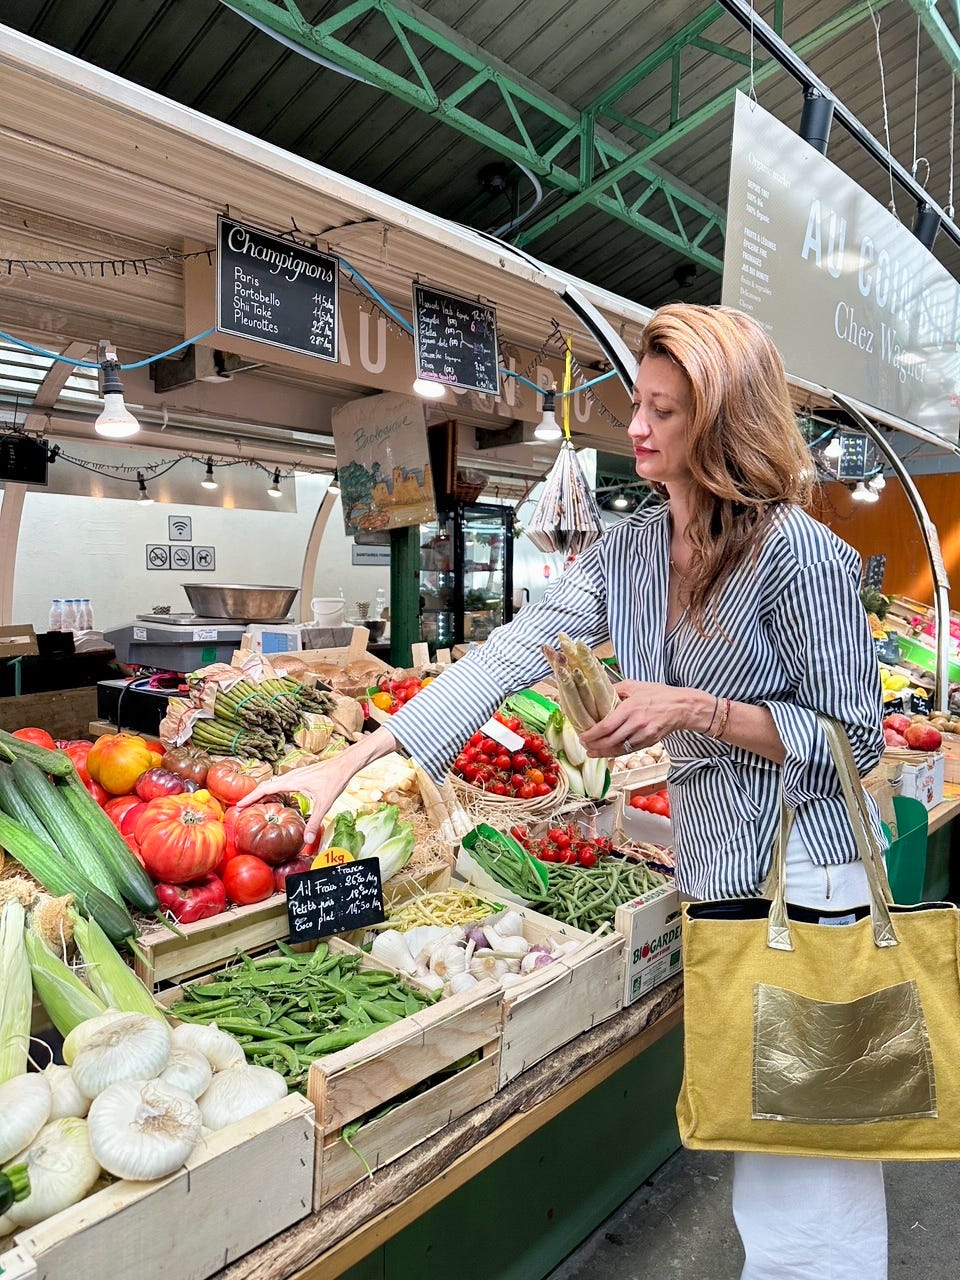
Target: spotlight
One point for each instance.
(547, 428)
(620, 501)
(862, 494)
(334, 485)
(429, 390)
(834, 450)
(143, 497)
(877, 482)
(275, 491)
(208, 481)
(115, 421)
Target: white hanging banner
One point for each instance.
(849, 295)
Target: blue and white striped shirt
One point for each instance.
(792, 636)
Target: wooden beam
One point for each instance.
(11, 510)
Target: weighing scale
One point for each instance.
(177, 641)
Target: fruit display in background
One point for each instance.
(567, 844)
(393, 692)
(906, 733)
(658, 803)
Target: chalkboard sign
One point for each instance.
(23, 460)
(455, 341)
(275, 291)
(334, 899)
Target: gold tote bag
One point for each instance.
(819, 1033)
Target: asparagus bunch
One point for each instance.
(585, 693)
(230, 738)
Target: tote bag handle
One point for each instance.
(778, 924)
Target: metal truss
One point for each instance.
(458, 82)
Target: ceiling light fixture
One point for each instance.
(834, 450)
(620, 501)
(275, 491)
(548, 428)
(429, 390)
(115, 421)
(877, 482)
(862, 494)
(143, 496)
(208, 481)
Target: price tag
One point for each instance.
(205, 633)
(139, 633)
(500, 733)
(332, 858)
(334, 899)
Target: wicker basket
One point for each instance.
(468, 485)
(481, 806)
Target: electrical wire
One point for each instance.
(95, 364)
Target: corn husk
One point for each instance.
(566, 519)
(16, 993)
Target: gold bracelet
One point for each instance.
(723, 720)
(716, 708)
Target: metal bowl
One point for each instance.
(240, 603)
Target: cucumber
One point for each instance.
(56, 762)
(14, 806)
(127, 873)
(58, 877)
(64, 830)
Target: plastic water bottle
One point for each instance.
(381, 602)
(68, 618)
(85, 619)
(56, 615)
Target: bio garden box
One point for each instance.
(651, 926)
(922, 778)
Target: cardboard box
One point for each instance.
(651, 926)
(924, 780)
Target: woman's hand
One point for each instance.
(645, 714)
(325, 781)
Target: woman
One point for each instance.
(736, 620)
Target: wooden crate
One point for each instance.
(64, 713)
(242, 1185)
(562, 1000)
(362, 1080)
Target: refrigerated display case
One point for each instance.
(466, 574)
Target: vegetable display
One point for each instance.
(587, 897)
(506, 861)
(527, 774)
(585, 692)
(287, 1010)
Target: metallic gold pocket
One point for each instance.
(816, 1062)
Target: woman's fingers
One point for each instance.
(272, 787)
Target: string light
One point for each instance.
(429, 390)
(115, 420)
(834, 450)
(143, 496)
(208, 481)
(548, 429)
(275, 491)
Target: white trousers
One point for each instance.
(801, 1218)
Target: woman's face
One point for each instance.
(658, 428)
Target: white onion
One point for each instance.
(238, 1092)
(187, 1070)
(82, 1032)
(67, 1098)
(61, 1167)
(143, 1129)
(134, 1047)
(25, 1103)
(219, 1049)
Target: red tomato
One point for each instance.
(248, 879)
(39, 737)
(498, 788)
(502, 761)
(295, 866)
(78, 749)
(97, 792)
(116, 808)
(639, 802)
(527, 791)
(550, 855)
(541, 788)
(587, 858)
(569, 856)
(521, 762)
(181, 838)
(189, 762)
(659, 805)
(161, 782)
(550, 778)
(128, 821)
(199, 901)
(272, 831)
(230, 779)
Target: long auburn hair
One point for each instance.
(746, 453)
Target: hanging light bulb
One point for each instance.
(208, 481)
(548, 428)
(877, 482)
(834, 450)
(143, 497)
(862, 494)
(115, 421)
(334, 485)
(275, 491)
(620, 501)
(429, 390)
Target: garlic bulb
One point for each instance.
(391, 948)
(25, 1104)
(462, 982)
(447, 960)
(82, 1032)
(134, 1047)
(510, 924)
(238, 1092)
(535, 960)
(432, 981)
(485, 964)
(188, 1070)
(61, 1167)
(219, 1048)
(67, 1098)
(143, 1129)
(511, 946)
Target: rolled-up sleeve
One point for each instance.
(434, 725)
(821, 634)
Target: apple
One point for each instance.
(894, 739)
(923, 737)
(898, 723)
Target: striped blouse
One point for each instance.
(795, 639)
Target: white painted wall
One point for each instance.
(83, 546)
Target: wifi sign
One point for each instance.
(180, 528)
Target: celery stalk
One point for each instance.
(16, 993)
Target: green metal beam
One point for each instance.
(681, 127)
(534, 128)
(938, 31)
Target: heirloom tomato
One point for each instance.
(231, 779)
(247, 879)
(116, 761)
(181, 838)
(189, 902)
(189, 762)
(161, 782)
(271, 831)
(39, 737)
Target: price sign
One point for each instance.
(334, 900)
(455, 341)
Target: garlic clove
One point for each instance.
(462, 982)
(510, 924)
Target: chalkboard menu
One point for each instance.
(455, 341)
(275, 291)
(334, 899)
(23, 460)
